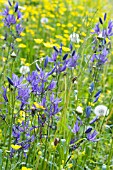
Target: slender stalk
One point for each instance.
(10, 131)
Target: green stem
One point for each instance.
(10, 132)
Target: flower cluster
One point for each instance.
(14, 18)
(101, 41)
(22, 138)
(68, 60)
(35, 93)
(44, 92)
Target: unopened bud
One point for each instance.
(13, 55)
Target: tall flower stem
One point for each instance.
(10, 131)
(45, 150)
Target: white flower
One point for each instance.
(74, 37)
(24, 70)
(101, 110)
(44, 20)
(63, 140)
(79, 109)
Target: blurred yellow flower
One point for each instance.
(11, 12)
(4, 59)
(83, 34)
(70, 25)
(15, 147)
(81, 8)
(66, 49)
(27, 64)
(22, 34)
(70, 165)
(39, 153)
(22, 113)
(48, 45)
(2, 37)
(38, 106)
(18, 39)
(38, 41)
(23, 60)
(107, 40)
(77, 45)
(24, 168)
(22, 46)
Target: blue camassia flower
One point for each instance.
(91, 136)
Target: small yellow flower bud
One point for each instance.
(70, 165)
(39, 153)
(62, 161)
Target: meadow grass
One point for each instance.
(56, 76)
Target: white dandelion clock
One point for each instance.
(74, 37)
(101, 110)
(44, 20)
(24, 70)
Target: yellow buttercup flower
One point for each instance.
(63, 162)
(22, 34)
(70, 165)
(38, 41)
(22, 46)
(38, 106)
(83, 34)
(79, 25)
(92, 31)
(21, 120)
(72, 156)
(59, 36)
(4, 59)
(39, 153)
(27, 64)
(57, 45)
(66, 35)
(11, 12)
(18, 39)
(15, 147)
(23, 60)
(24, 168)
(107, 40)
(77, 45)
(81, 8)
(2, 37)
(48, 45)
(81, 41)
(70, 25)
(22, 113)
(66, 31)
(58, 24)
(66, 49)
